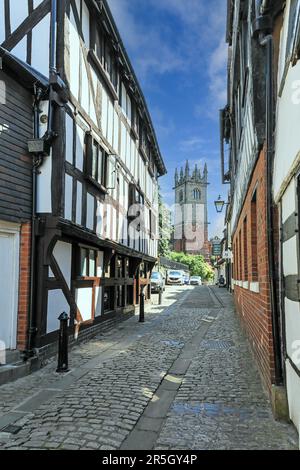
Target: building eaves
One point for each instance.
(24, 73)
(159, 159)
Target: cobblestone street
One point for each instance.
(185, 379)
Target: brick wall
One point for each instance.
(24, 285)
(254, 308)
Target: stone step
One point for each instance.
(10, 373)
(12, 356)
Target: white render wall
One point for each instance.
(286, 168)
(114, 126)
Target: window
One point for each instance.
(126, 103)
(120, 296)
(119, 266)
(98, 159)
(99, 45)
(292, 29)
(245, 251)
(105, 54)
(98, 164)
(240, 256)
(197, 194)
(108, 299)
(87, 266)
(254, 238)
(181, 196)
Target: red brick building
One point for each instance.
(247, 132)
(251, 271)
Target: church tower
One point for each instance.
(191, 219)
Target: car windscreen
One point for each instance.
(155, 276)
(175, 273)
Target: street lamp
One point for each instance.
(219, 205)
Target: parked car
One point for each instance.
(175, 278)
(195, 281)
(157, 282)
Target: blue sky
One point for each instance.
(178, 51)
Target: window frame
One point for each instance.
(91, 142)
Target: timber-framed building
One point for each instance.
(97, 161)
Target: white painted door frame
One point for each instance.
(12, 230)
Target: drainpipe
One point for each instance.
(263, 27)
(38, 160)
(53, 76)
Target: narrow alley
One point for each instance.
(185, 379)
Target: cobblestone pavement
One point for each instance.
(183, 380)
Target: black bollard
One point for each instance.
(160, 295)
(62, 365)
(142, 305)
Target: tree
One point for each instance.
(165, 228)
(196, 263)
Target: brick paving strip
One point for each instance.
(183, 380)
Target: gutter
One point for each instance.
(263, 28)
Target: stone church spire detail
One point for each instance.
(187, 169)
(191, 193)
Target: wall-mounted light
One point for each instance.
(219, 204)
(36, 146)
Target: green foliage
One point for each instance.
(196, 263)
(165, 229)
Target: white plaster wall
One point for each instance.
(90, 211)
(293, 389)
(79, 203)
(74, 46)
(57, 304)
(69, 139)
(36, 3)
(85, 87)
(20, 50)
(79, 147)
(123, 142)
(292, 321)
(289, 201)
(116, 132)
(86, 24)
(287, 134)
(84, 302)
(2, 22)
(104, 112)
(110, 123)
(68, 197)
(44, 204)
(98, 301)
(290, 263)
(40, 46)
(99, 227)
(63, 255)
(18, 13)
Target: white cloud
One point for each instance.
(192, 144)
(217, 226)
(217, 74)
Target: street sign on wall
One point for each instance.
(217, 249)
